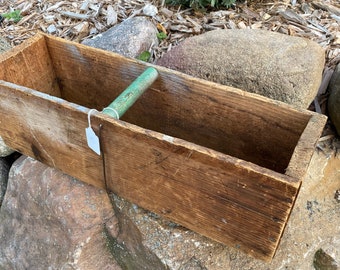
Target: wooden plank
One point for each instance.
(49, 129)
(304, 149)
(29, 64)
(202, 189)
(225, 119)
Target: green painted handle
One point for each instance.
(130, 95)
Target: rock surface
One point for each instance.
(4, 169)
(129, 38)
(278, 66)
(52, 221)
(334, 98)
(313, 225)
(323, 261)
(4, 149)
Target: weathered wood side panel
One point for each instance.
(304, 149)
(231, 121)
(29, 65)
(50, 130)
(229, 200)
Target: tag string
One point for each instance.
(89, 116)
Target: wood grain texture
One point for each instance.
(304, 149)
(209, 157)
(201, 189)
(30, 65)
(50, 130)
(219, 117)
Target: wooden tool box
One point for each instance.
(223, 162)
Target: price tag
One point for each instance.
(91, 137)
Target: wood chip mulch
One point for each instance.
(317, 20)
(75, 20)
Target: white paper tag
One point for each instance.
(92, 140)
(91, 137)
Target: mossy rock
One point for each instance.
(323, 261)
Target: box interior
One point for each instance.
(203, 113)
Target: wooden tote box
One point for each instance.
(220, 161)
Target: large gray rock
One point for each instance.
(129, 38)
(50, 220)
(334, 98)
(278, 66)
